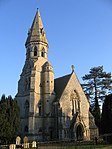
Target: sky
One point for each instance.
(79, 33)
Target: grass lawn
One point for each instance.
(80, 147)
(89, 147)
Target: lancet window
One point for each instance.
(40, 109)
(43, 52)
(75, 102)
(26, 129)
(35, 51)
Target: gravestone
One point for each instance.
(34, 144)
(18, 140)
(26, 144)
(12, 146)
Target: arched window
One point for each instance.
(40, 130)
(26, 129)
(26, 107)
(79, 132)
(35, 51)
(75, 102)
(43, 52)
(40, 110)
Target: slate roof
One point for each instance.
(36, 33)
(60, 84)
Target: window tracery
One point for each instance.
(75, 102)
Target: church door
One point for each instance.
(51, 134)
(79, 132)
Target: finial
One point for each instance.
(73, 68)
(37, 9)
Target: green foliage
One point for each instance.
(96, 85)
(106, 118)
(9, 119)
(96, 112)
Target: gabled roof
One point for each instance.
(36, 32)
(60, 84)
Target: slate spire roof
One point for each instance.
(36, 33)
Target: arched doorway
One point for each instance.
(79, 132)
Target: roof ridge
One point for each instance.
(63, 76)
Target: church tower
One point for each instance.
(36, 85)
(50, 109)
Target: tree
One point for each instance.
(106, 117)
(97, 84)
(9, 119)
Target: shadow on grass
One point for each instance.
(80, 147)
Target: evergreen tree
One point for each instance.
(106, 117)
(96, 85)
(9, 119)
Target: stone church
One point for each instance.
(50, 109)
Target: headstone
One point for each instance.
(25, 139)
(26, 144)
(18, 140)
(34, 144)
(12, 146)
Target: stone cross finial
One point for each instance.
(73, 68)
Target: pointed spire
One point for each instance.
(37, 23)
(36, 33)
